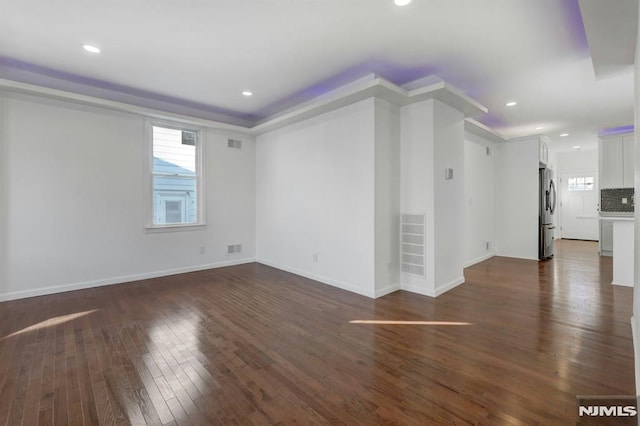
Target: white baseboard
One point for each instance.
(438, 291)
(387, 290)
(479, 259)
(448, 286)
(14, 295)
(622, 284)
(517, 257)
(324, 280)
(418, 290)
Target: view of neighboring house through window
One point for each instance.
(175, 176)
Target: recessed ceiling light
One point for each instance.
(247, 93)
(401, 2)
(564, 134)
(539, 128)
(511, 103)
(90, 48)
(577, 147)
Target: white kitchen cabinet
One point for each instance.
(543, 152)
(616, 161)
(606, 237)
(628, 160)
(623, 251)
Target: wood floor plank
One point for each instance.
(250, 344)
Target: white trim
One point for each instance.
(387, 290)
(418, 290)
(366, 87)
(450, 285)
(517, 257)
(200, 176)
(438, 291)
(636, 352)
(321, 279)
(479, 259)
(117, 280)
(479, 129)
(32, 89)
(174, 228)
(622, 284)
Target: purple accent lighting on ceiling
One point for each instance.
(491, 120)
(616, 130)
(575, 23)
(16, 70)
(394, 73)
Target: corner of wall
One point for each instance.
(4, 228)
(636, 293)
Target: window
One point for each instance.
(581, 183)
(175, 176)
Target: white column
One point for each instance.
(432, 141)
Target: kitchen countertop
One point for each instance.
(616, 214)
(618, 218)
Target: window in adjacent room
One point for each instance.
(175, 176)
(584, 183)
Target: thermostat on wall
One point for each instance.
(448, 174)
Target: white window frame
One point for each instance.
(200, 223)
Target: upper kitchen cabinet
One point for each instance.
(628, 161)
(543, 150)
(616, 161)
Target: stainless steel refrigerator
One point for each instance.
(547, 206)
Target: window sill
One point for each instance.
(174, 228)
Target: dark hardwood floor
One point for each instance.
(250, 344)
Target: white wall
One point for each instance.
(480, 186)
(387, 197)
(75, 200)
(417, 184)
(635, 321)
(433, 140)
(315, 195)
(576, 161)
(3, 201)
(449, 202)
(517, 199)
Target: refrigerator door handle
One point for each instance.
(546, 200)
(552, 188)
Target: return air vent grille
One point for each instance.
(413, 244)
(234, 143)
(233, 249)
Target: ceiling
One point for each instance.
(199, 55)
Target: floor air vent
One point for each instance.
(413, 244)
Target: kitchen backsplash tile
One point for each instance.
(611, 200)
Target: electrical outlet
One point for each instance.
(203, 249)
(315, 257)
(487, 245)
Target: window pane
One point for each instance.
(584, 183)
(174, 200)
(174, 151)
(173, 211)
(175, 178)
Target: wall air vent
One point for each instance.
(234, 143)
(412, 253)
(233, 249)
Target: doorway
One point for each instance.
(579, 205)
